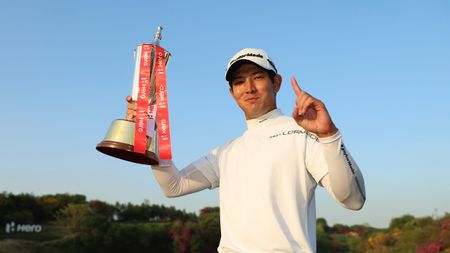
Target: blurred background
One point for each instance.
(381, 67)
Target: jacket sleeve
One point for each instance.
(174, 182)
(344, 180)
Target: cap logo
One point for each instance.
(245, 55)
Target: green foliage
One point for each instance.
(321, 224)
(405, 234)
(207, 236)
(411, 234)
(73, 225)
(181, 233)
(152, 213)
(400, 222)
(202, 236)
(94, 226)
(137, 238)
(21, 208)
(74, 217)
(27, 208)
(323, 238)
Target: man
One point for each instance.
(268, 176)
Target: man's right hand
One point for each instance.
(131, 109)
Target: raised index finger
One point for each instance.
(295, 86)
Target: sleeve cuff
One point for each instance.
(332, 138)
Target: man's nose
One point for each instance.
(250, 86)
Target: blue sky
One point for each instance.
(381, 67)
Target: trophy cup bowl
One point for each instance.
(119, 141)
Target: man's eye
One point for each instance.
(238, 82)
(259, 77)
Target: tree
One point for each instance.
(102, 208)
(182, 235)
(52, 204)
(340, 229)
(400, 222)
(324, 241)
(74, 217)
(207, 236)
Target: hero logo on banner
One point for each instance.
(159, 109)
(165, 150)
(12, 227)
(140, 131)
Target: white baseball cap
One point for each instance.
(255, 55)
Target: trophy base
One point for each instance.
(125, 152)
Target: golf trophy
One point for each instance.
(146, 140)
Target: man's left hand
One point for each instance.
(311, 114)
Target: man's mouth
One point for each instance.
(251, 99)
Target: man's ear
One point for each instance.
(231, 90)
(277, 82)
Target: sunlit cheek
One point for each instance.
(237, 91)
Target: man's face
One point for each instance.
(253, 90)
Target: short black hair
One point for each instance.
(238, 64)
